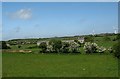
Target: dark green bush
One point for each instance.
(56, 45)
(78, 42)
(65, 47)
(43, 47)
(19, 46)
(89, 39)
(116, 49)
(75, 50)
(110, 49)
(3, 45)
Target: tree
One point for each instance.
(19, 46)
(90, 47)
(116, 50)
(3, 45)
(89, 39)
(118, 37)
(43, 47)
(116, 47)
(77, 42)
(74, 47)
(65, 47)
(56, 45)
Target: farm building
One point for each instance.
(39, 42)
(81, 40)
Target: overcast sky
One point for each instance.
(31, 19)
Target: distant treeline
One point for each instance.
(34, 40)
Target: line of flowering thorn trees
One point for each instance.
(57, 46)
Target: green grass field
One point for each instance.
(36, 64)
(55, 65)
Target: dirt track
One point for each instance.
(17, 51)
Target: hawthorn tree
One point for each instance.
(56, 45)
(43, 47)
(116, 47)
(3, 45)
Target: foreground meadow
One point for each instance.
(59, 65)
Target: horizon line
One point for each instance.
(56, 36)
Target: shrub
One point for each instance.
(43, 47)
(65, 47)
(78, 42)
(101, 49)
(114, 39)
(75, 50)
(90, 47)
(56, 45)
(89, 39)
(19, 46)
(118, 37)
(49, 48)
(116, 50)
(74, 47)
(110, 49)
(116, 47)
(3, 45)
(65, 50)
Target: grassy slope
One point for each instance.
(101, 42)
(34, 65)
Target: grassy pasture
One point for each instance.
(101, 42)
(55, 65)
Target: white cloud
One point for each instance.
(22, 14)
